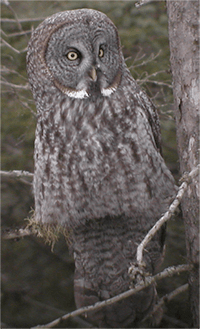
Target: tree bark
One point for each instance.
(184, 45)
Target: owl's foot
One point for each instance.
(138, 274)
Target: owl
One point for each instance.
(99, 174)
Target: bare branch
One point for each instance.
(147, 79)
(10, 234)
(7, 70)
(22, 20)
(187, 179)
(12, 85)
(5, 2)
(167, 298)
(150, 280)
(16, 173)
(16, 34)
(23, 87)
(159, 83)
(175, 322)
(142, 2)
(151, 58)
(12, 48)
(9, 46)
(16, 18)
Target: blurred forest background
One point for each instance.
(37, 284)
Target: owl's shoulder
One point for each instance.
(138, 96)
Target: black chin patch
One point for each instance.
(94, 90)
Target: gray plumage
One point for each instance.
(99, 172)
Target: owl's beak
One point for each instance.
(93, 74)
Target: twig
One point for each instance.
(7, 70)
(24, 87)
(152, 58)
(174, 205)
(16, 34)
(15, 50)
(16, 173)
(16, 18)
(22, 20)
(10, 234)
(159, 83)
(147, 79)
(167, 298)
(5, 2)
(175, 322)
(150, 280)
(142, 2)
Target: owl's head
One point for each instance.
(78, 51)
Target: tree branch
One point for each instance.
(16, 173)
(142, 2)
(21, 20)
(167, 298)
(10, 234)
(24, 87)
(12, 48)
(150, 280)
(187, 178)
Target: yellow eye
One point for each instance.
(101, 52)
(72, 55)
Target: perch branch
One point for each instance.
(174, 205)
(10, 234)
(150, 280)
(16, 173)
(167, 298)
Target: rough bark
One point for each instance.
(184, 45)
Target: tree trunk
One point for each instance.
(183, 38)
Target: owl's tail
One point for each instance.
(103, 251)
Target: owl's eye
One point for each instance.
(72, 55)
(101, 52)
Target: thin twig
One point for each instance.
(13, 234)
(142, 2)
(175, 322)
(159, 83)
(14, 49)
(16, 34)
(16, 18)
(12, 85)
(152, 58)
(5, 2)
(150, 280)
(16, 173)
(174, 205)
(22, 20)
(7, 70)
(167, 298)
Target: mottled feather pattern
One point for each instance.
(98, 165)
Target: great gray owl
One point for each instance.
(99, 173)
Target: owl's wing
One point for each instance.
(153, 118)
(146, 104)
